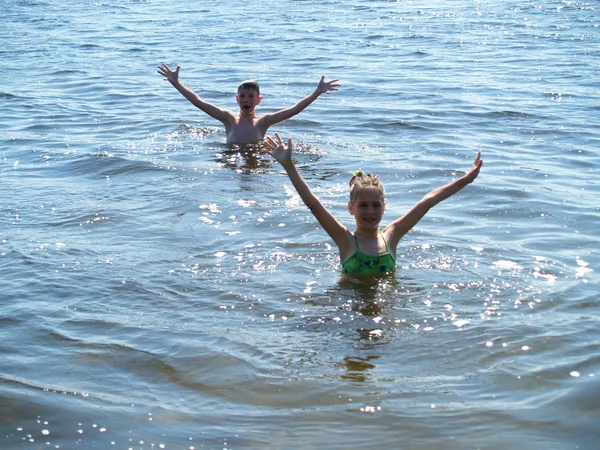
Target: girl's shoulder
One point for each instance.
(347, 245)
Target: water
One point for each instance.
(161, 291)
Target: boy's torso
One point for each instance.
(244, 130)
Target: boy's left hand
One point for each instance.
(325, 86)
(171, 76)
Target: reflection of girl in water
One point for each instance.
(367, 295)
(368, 250)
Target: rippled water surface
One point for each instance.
(161, 290)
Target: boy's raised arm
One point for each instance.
(324, 87)
(283, 155)
(172, 76)
(404, 224)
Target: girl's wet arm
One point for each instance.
(337, 231)
(397, 229)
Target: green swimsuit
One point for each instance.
(362, 264)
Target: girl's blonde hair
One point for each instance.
(363, 180)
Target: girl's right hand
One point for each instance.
(279, 151)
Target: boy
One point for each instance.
(245, 127)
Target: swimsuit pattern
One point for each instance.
(363, 264)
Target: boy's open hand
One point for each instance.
(325, 86)
(170, 75)
(279, 151)
(472, 174)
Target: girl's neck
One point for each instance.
(369, 232)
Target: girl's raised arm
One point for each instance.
(397, 229)
(338, 232)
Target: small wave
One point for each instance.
(119, 166)
(389, 125)
(8, 96)
(82, 220)
(90, 46)
(6, 321)
(9, 379)
(106, 165)
(519, 114)
(69, 72)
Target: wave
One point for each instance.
(9, 96)
(106, 165)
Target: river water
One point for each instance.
(161, 290)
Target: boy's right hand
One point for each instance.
(472, 174)
(171, 76)
(279, 151)
(325, 86)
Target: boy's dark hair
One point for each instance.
(250, 84)
(363, 180)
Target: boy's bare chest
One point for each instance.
(245, 129)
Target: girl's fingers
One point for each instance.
(272, 144)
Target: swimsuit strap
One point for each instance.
(387, 249)
(355, 241)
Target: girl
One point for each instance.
(368, 250)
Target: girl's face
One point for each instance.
(367, 208)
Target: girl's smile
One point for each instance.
(367, 208)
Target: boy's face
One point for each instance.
(247, 99)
